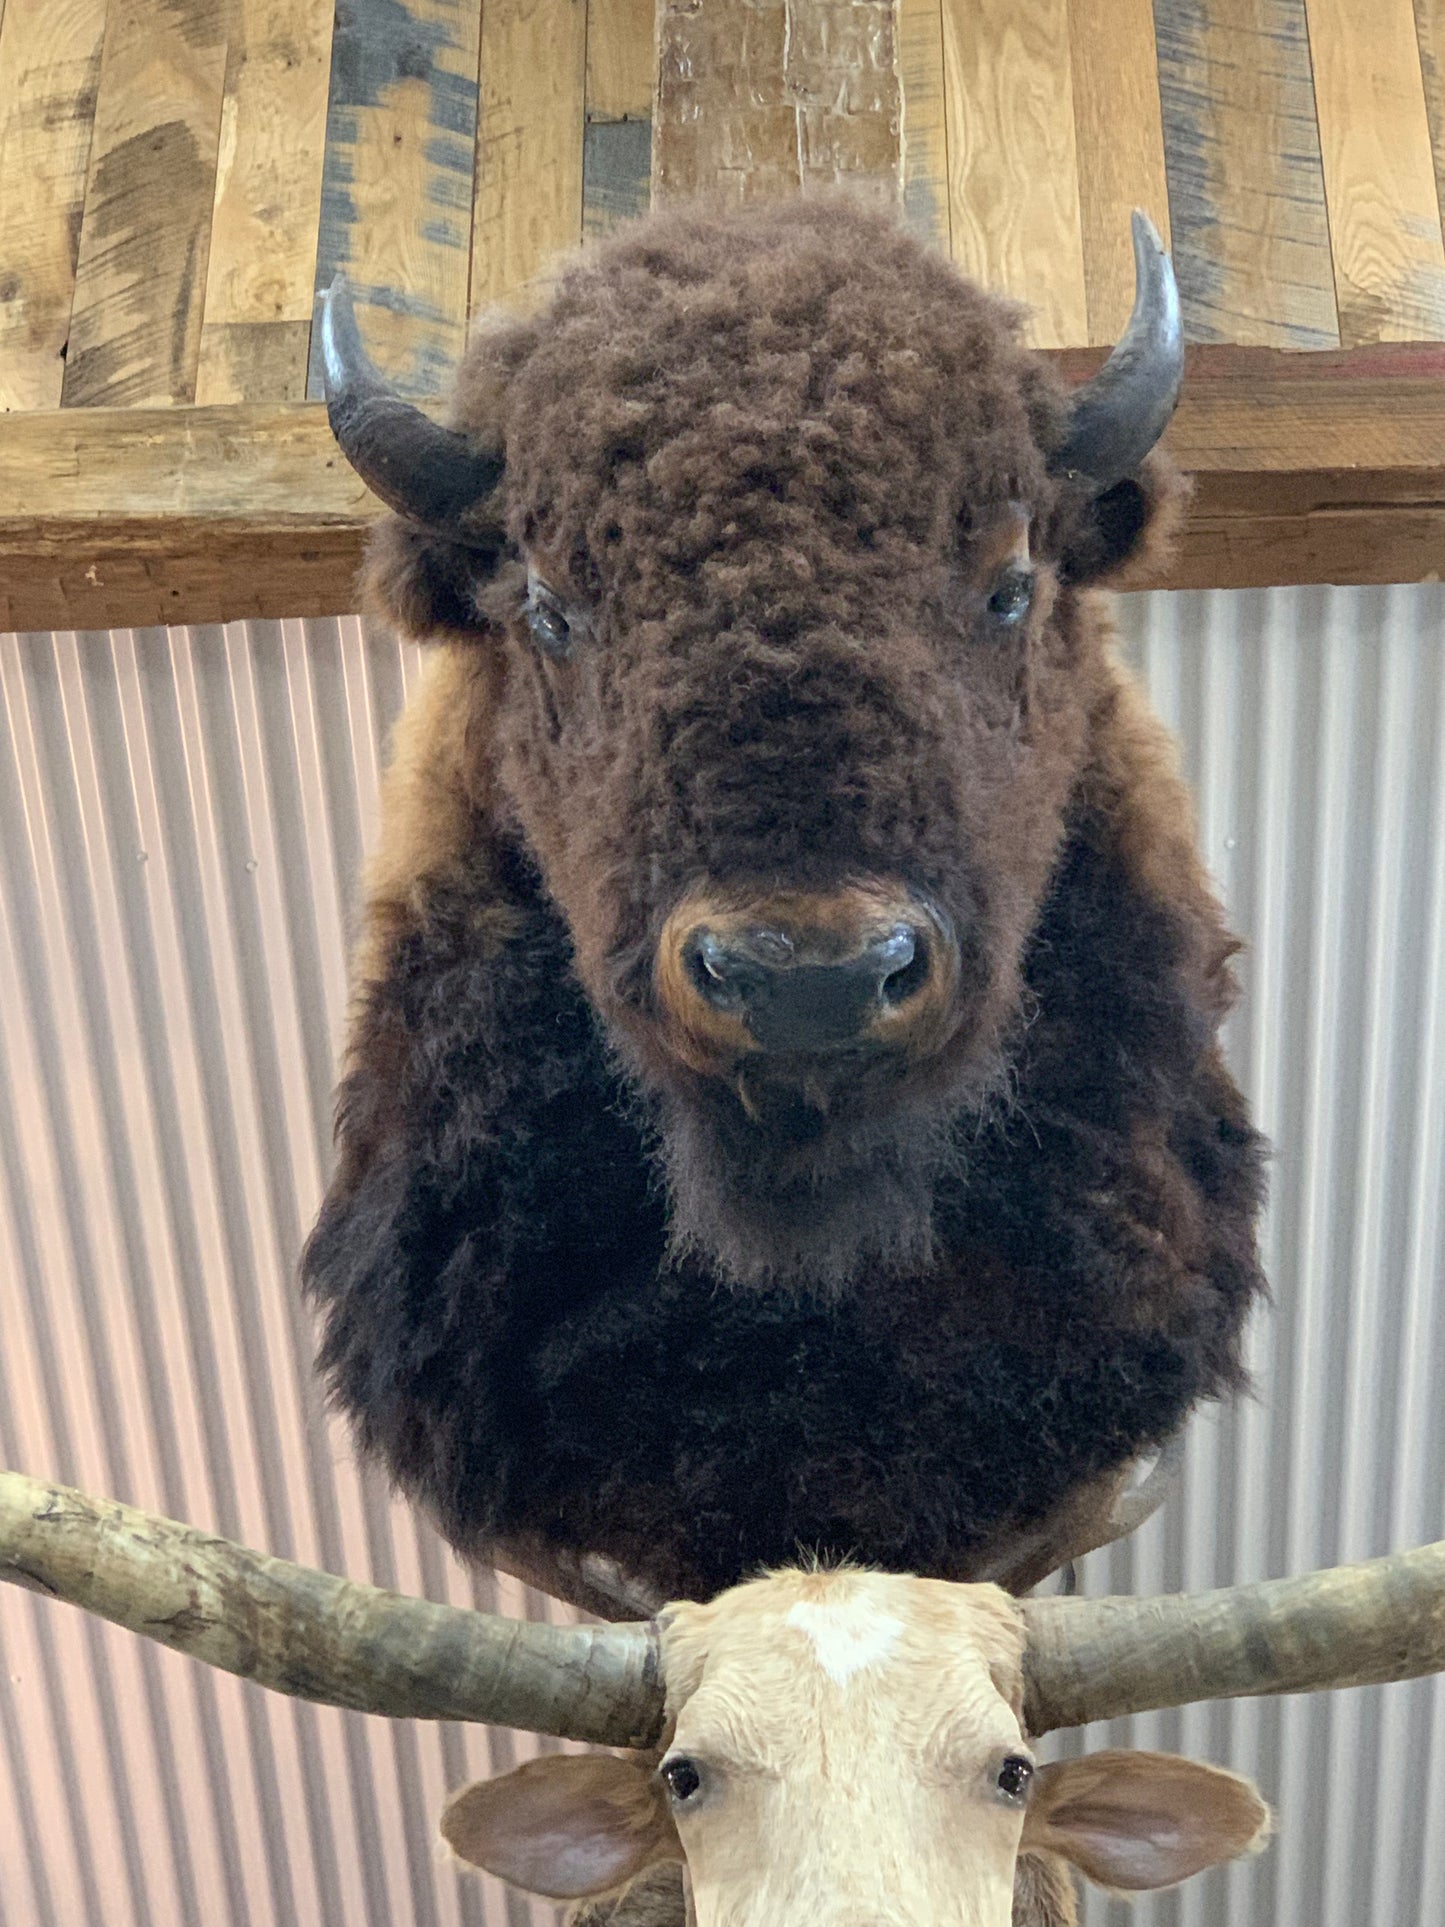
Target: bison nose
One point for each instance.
(789, 1004)
(809, 974)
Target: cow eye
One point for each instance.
(1012, 596)
(1013, 1777)
(683, 1778)
(547, 619)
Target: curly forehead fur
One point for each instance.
(759, 460)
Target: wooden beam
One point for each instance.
(1309, 468)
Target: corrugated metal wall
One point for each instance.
(182, 817)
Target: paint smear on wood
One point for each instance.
(397, 181)
(146, 229)
(925, 135)
(49, 72)
(1246, 184)
(616, 174)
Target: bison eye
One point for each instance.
(1013, 1777)
(683, 1778)
(547, 619)
(1012, 596)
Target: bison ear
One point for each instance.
(429, 587)
(1137, 1821)
(564, 1826)
(1125, 534)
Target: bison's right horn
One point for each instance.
(1119, 415)
(432, 476)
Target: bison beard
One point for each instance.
(785, 1194)
(580, 1291)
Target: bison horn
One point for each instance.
(1119, 415)
(432, 476)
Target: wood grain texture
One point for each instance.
(1246, 187)
(1013, 167)
(1430, 35)
(49, 71)
(1319, 468)
(528, 207)
(621, 59)
(397, 182)
(1379, 171)
(925, 128)
(145, 234)
(1119, 134)
(262, 270)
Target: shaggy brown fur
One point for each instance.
(576, 1288)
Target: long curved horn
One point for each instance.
(320, 1638)
(432, 476)
(1099, 1659)
(1119, 415)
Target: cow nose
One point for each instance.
(810, 974)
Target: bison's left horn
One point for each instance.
(1119, 415)
(432, 476)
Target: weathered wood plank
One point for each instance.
(841, 71)
(1430, 34)
(925, 131)
(528, 207)
(724, 122)
(262, 271)
(1246, 187)
(1119, 135)
(397, 181)
(145, 233)
(188, 514)
(49, 70)
(1320, 468)
(1379, 172)
(621, 59)
(756, 98)
(1012, 161)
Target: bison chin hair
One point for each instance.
(792, 1199)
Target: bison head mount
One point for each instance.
(772, 533)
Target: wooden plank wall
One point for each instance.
(180, 178)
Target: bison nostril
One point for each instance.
(719, 975)
(907, 966)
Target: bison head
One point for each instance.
(772, 532)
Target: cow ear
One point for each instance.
(565, 1826)
(1126, 534)
(427, 586)
(1136, 1821)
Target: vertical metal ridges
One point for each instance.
(182, 820)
